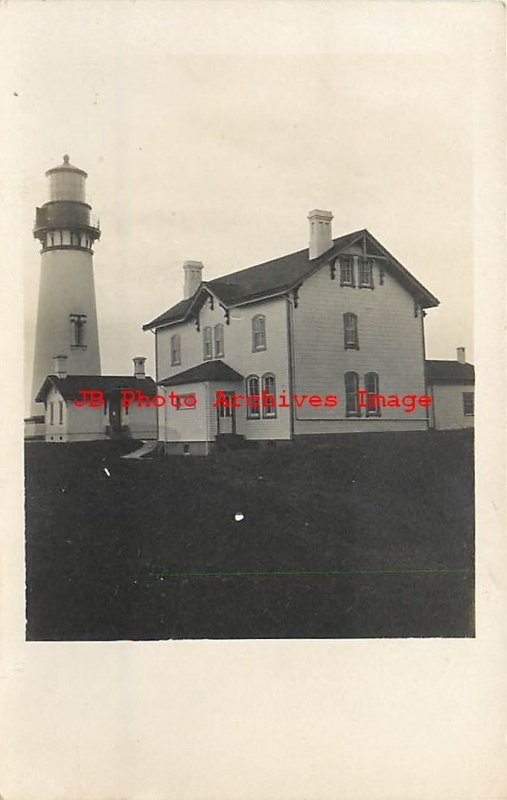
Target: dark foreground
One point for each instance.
(370, 537)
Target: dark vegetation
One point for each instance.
(114, 556)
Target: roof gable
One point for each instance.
(280, 275)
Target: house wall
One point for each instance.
(448, 406)
(183, 426)
(238, 355)
(390, 342)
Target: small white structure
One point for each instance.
(451, 386)
(65, 421)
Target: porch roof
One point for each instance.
(209, 371)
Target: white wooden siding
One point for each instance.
(390, 344)
(238, 355)
(448, 406)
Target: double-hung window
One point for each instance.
(253, 410)
(351, 397)
(258, 332)
(268, 396)
(468, 404)
(175, 350)
(346, 271)
(365, 270)
(219, 340)
(350, 331)
(207, 343)
(371, 384)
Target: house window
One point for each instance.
(60, 412)
(184, 402)
(51, 413)
(351, 396)
(268, 395)
(219, 341)
(175, 350)
(468, 404)
(252, 391)
(366, 273)
(371, 386)
(346, 271)
(350, 332)
(207, 339)
(259, 332)
(77, 328)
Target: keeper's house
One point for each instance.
(451, 387)
(339, 316)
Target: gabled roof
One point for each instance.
(449, 372)
(213, 371)
(272, 278)
(70, 387)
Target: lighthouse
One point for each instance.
(67, 314)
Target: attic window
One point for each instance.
(366, 273)
(346, 271)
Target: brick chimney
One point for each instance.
(60, 366)
(193, 277)
(321, 236)
(460, 355)
(139, 367)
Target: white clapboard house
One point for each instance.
(339, 316)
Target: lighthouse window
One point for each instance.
(77, 324)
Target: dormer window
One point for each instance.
(366, 273)
(77, 330)
(258, 332)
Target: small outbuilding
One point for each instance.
(451, 386)
(67, 419)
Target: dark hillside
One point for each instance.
(371, 536)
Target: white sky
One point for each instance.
(209, 130)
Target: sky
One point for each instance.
(208, 132)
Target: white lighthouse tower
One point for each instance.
(67, 315)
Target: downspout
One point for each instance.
(423, 314)
(290, 353)
(156, 381)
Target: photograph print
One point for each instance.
(248, 344)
